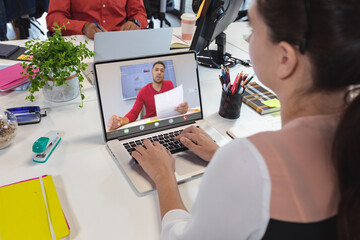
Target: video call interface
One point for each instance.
(135, 77)
(119, 82)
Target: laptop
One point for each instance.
(128, 44)
(114, 78)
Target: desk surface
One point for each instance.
(96, 198)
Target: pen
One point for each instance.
(246, 64)
(97, 25)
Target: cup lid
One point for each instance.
(188, 16)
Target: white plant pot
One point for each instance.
(64, 92)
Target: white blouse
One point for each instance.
(234, 196)
(237, 184)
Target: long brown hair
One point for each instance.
(328, 32)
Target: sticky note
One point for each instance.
(272, 103)
(25, 57)
(21, 57)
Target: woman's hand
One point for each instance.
(198, 141)
(155, 160)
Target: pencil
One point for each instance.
(247, 82)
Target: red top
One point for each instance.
(146, 97)
(111, 14)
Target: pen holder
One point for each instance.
(230, 105)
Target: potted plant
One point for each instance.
(55, 66)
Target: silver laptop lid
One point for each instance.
(129, 44)
(115, 78)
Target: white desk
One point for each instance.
(96, 198)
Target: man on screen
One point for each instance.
(145, 98)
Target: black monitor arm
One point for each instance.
(241, 14)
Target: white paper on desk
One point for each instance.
(246, 129)
(166, 102)
(241, 29)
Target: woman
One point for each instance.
(295, 183)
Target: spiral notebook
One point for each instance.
(260, 99)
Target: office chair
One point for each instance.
(156, 9)
(23, 13)
(23, 24)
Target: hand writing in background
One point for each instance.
(182, 108)
(90, 29)
(198, 141)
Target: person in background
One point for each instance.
(117, 15)
(300, 182)
(145, 98)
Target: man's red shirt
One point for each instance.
(146, 97)
(111, 14)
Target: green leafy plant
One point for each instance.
(56, 59)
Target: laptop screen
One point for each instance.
(129, 88)
(134, 77)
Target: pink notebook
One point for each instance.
(11, 78)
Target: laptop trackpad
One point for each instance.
(187, 162)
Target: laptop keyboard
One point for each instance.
(166, 139)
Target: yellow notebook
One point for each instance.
(24, 214)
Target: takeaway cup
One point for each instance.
(187, 26)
